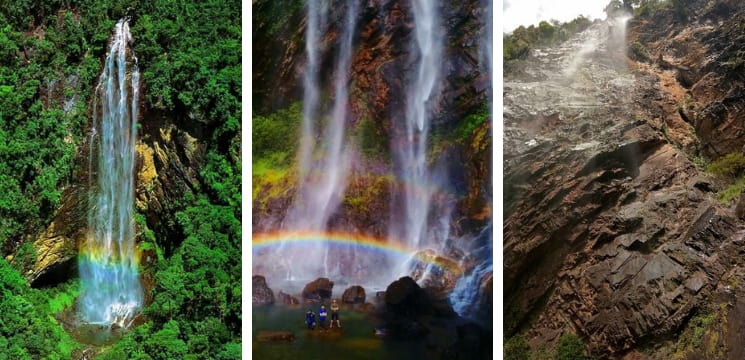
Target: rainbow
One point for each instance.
(266, 240)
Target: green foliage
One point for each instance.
(518, 44)
(273, 15)
(277, 132)
(472, 122)
(570, 347)
(196, 308)
(28, 331)
(546, 32)
(730, 166)
(24, 257)
(701, 333)
(516, 348)
(371, 140)
(648, 8)
(732, 192)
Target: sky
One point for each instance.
(531, 12)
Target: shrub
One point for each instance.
(570, 347)
(731, 166)
(516, 348)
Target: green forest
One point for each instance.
(51, 54)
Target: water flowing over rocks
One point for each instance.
(611, 231)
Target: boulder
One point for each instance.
(287, 299)
(354, 295)
(436, 273)
(261, 293)
(365, 308)
(275, 336)
(318, 290)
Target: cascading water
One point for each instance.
(412, 156)
(468, 292)
(322, 182)
(111, 289)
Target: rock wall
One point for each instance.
(381, 64)
(611, 231)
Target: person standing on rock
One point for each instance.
(310, 319)
(322, 317)
(335, 313)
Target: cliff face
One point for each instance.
(611, 231)
(381, 65)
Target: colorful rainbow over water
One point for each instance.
(361, 241)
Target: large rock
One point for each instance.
(409, 312)
(261, 293)
(437, 273)
(57, 247)
(353, 295)
(318, 290)
(275, 336)
(287, 299)
(405, 298)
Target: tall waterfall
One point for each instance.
(324, 164)
(112, 293)
(412, 156)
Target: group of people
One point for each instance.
(310, 317)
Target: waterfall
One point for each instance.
(111, 289)
(323, 165)
(467, 295)
(311, 88)
(412, 155)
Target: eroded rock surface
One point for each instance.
(318, 290)
(261, 294)
(353, 295)
(610, 230)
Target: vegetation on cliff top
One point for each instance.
(518, 44)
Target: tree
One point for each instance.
(570, 347)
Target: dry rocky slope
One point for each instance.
(610, 230)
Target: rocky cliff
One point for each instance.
(381, 59)
(613, 230)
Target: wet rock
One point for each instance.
(261, 293)
(404, 297)
(287, 299)
(436, 273)
(366, 307)
(353, 295)
(318, 290)
(275, 336)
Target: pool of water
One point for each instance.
(356, 339)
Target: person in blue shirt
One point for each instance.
(322, 317)
(310, 319)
